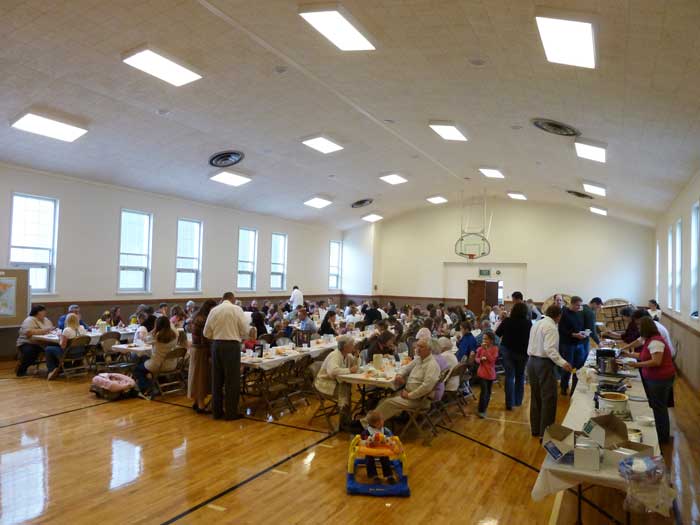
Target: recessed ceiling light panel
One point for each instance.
(598, 211)
(318, 202)
(437, 199)
(567, 38)
(372, 217)
(230, 178)
(594, 189)
(492, 173)
(322, 144)
(393, 179)
(159, 66)
(517, 196)
(447, 130)
(591, 149)
(336, 24)
(33, 123)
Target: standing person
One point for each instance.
(226, 327)
(544, 357)
(571, 338)
(559, 300)
(199, 371)
(297, 298)
(590, 313)
(654, 310)
(658, 373)
(514, 332)
(486, 357)
(516, 297)
(35, 324)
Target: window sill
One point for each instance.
(135, 292)
(187, 292)
(45, 294)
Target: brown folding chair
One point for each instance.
(172, 379)
(96, 355)
(323, 410)
(74, 359)
(299, 382)
(274, 388)
(456, 397)
(302, 337)
(421, 417)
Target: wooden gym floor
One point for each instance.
(68, 457)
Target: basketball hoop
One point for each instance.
(470, 256)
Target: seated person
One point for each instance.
(467, 343)
(375, 425)
(72, 309)
(177, 317)
(328, 324)
(53, 353)
(146, 325)
(354, 316)
(340, 361)
(306, 324)
(251, 340)
(163, 309)
(419, 377)
(486, 326)
(106, 317)
(165, 340)
(287, 329)
(450, 358)
(35, 324)
(383, 344)
(116, 316)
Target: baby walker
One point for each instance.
(377, 446)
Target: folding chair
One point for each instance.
(437, 411)
(302, 337)
(283, 341)
(298, 380)
(96, 355)
(456, 397)
(74, 358)
(323, 410)
(172, 379)
(274, 388)
(417, 417)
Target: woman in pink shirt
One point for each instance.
(486, 356)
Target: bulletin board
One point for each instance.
(14, 296)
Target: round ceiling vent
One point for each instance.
(555, 128)
(579, 194)
(362, 203)
(226, 159)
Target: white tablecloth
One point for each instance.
(125, 335)
(361, 379)
(136, 349)
(554, 477)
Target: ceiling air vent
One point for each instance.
(579, 194)
(555, 128)
(362, 203)
(226, 159)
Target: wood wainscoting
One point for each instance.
(686, 339)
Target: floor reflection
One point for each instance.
(126, 463)
(23, 491)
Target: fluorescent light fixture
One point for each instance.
(318, 202)
(160, 67)
(372, 217)
(336, 24)
(492, 173)
(567, 38)
(598, 211)
(437, 199)
(590, 149)
(48, 127)
(393, 179)
(594, 189)
(322, 144)
(517, 196)
(230, 179)
(447, 130)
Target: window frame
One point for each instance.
(51, 265)
(253, 273)
(198, 272)
(669, 269)
(149, 255)
(339, 275)
(658, 269)
(283, 274)
(678, 265)
(694, 256)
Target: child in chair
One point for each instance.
(375, 425)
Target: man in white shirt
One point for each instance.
(297, 298)
(226, 327)
(420, 377)
(544, 357)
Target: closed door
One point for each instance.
(476, 295)
(491, 292)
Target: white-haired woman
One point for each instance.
(340, 361)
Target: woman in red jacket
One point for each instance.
(658, 373)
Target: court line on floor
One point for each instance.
(531, 467)
(251, 418)
(245, 481)
(52, 415)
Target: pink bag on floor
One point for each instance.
(112, 386)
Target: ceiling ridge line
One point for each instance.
(272, 49)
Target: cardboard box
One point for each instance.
(625, 450)
(559, 442)
(587, 453)
(608, 431)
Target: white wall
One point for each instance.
(88, 239)
(358, 260)
(681, 208)
(544, 249)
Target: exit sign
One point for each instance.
(484, 273)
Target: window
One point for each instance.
(247, 250)
(669, 270)
(678, 265)
(334, 270)
(135, 252)
(188, 261)
(657, 269)
(33, 239)
(278, 262)
(500, 293)
(694, 238)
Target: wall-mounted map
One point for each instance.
(8, 296)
